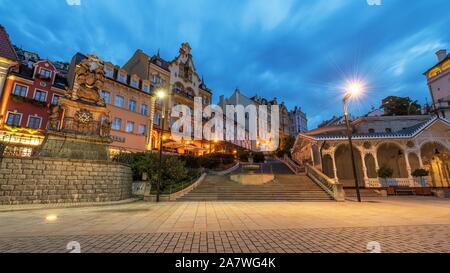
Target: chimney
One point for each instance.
(441, 54)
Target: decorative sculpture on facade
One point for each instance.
(89, 80)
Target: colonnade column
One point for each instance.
(366, 177)
(334, 167)
(408, 169)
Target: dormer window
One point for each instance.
(146, 88)
(122, 77)
(45, 73)
(134, 83)
(109, 72)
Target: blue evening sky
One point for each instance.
(301, 51)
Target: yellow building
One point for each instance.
(182, 83)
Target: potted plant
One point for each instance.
(420, 174)
(384, 173)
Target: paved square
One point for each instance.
(410, 224)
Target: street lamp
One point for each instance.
(161, 94)
(354, 89)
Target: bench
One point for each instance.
(404, 191)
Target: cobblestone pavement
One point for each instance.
(432, 238)
(410, 224)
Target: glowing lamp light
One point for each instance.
(161, 94)
(355, 89)
(216, 140)
(51, 217)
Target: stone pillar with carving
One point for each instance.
(80, 127)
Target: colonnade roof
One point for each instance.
(409, 132)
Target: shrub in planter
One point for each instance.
(420, 173)
(385, 172)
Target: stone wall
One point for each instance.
(49, 180)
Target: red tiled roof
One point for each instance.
(6, 49)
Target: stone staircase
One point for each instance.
(286, 187)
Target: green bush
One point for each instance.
(173, 169)
(193, 162)
(243, 156)
(385, 172)
(259, 157)
(215, 160)
(420, 173)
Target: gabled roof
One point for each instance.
(405, 133)
(6, 49)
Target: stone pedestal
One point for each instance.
(63, 145)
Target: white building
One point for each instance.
(298, 121)
(438, 79)
(237, 98)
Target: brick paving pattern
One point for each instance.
(422, 238)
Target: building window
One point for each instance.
(55, 99)
(40, 95)
(156, 118)
(122, 78)
(371, 131)
(118, 101)
(109, 72)
(132, 105)
(130, 127)
(146, 88)
(157, 80)
(106, 96)
(34, 122)
(14, 119)
(134, 83)
(45, 73)
(144, 109)
(20, 90)
(143, 130)
(117, 123)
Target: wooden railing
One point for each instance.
(336, 190)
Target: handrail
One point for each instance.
(297, 169)
(336, 190)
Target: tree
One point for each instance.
(400, 106)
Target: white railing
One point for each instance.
(374, 183)
(394, 182)
(421, 182)
(336, 190)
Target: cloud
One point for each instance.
(298, 51)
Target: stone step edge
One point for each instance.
(13, 208)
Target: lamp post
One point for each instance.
(161, 95)
(354, 89)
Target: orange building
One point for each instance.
(130, 102)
